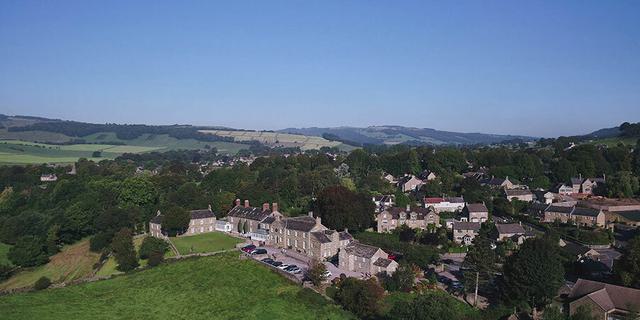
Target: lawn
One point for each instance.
(206, 242)
(73, 262)
(217, 287)
(4, 250)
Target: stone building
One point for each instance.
(366, 259)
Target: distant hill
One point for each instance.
(604, 133)
(408, 135)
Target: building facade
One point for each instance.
(366, 259)
(416, 218)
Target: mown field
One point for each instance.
(216, 287)
(73, 262)
(207, 242)
(275, 138)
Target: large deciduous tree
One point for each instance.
(29, 251)
(479, 263)
(627, 269)
(341, 208)
(175, 220)
(123, 250)
(362, 297)
(533, 274)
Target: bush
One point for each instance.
(100, 241)
(5, 272)
(156, 258)
(28, 252)
(152, 245)
(42, 283)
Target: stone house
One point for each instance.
(252, 216)
(564, 189)
(202, 221)
(409, 183)
(581, 216)
(605, 301)
(384, 201)
(358, 257)
(427, 175)
(223, 226)
(476, 212)
(513, 231)
(544, 196)
(464, 232)
(416, 218)
(498, 183)
(519, 194)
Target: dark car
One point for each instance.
(259, 251)
(267, 260)
(276, 263)
(248, 248)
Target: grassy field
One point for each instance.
(275, 138)
(167, 143)
(207, 242)
(216, 287)
(73, 262)
(4, 250)
(612, 142)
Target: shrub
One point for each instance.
(152, 245)
(5, 271)
(28, 252)
(42, 283)
(156, 258)
(100, 241)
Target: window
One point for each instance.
(295, 233)
(304, 245)
(288, 232)
(304, 235)
(201, 221)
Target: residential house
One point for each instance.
(513, 231)
(563, 189)
(464, 232)
(476, 212)
(202, 221)
(49, 177)
(450, 204)
(498, 183)
(519, 194)
(604, 301)
(537, 210)
(578, 251)
(358, 257)
(246, 219)
(223, 226)
(427, 175)
(389, 178)
(409, 183)
(384, 201)
(578, 215)
(416, 218)
(544, 196)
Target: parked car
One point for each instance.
(293, 269)
(248, 248)
(276, 264)
(267, 260)
(283, 266)
(327, 274)
(259, 251)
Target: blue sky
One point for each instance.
(541, 68)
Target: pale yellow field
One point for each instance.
(275, 138)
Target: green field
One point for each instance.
(275, 138)
(73, 262)
(4, 250)
(216, 287)
(206, 242)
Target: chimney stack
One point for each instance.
(265, 206)
(237, 202)
(311, 214)
(210, 207)
(274, 207)
(408, 207)
(346, 230)
(246, 203)
(318, 221)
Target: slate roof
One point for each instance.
(477, 207)
(382, 262)
(361, 250)
(538, 207)
(269, 220)
(633, 215)
(505, 228)
(605, 295)
(251, 213)
(575, 249)
(202, 214)
(302, 223)
(464, 225)
(578, 211)
(321, 236)
(493, 181)
(560, 209)
(576, 180)
(517, 192)
(343, 235)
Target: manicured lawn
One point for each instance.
(206, 242)
(4, 250)
(73, 262)
(217, 287)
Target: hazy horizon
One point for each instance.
(538, 69)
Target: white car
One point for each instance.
(327, 274)
(283, 266)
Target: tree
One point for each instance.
(137, 191)
(402, 279)
(553, 313)
(151, 245)
(480, 263)
(402, 200)
(5, 272)
(360, 296)
(341, 208)
(627, 269)
(432, 306)
(175, 220)
(405, 233)
(52, 239)
(155, 258)
(317, 272)
(533, 274)
(29, 251)
(42, 283)
(123, 250)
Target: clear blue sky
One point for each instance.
(541, 68)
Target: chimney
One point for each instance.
(318, 221)
(346, 230)
(265, 206)
(311, 214)
(246, 203)
(158, 213)
(408, 207)
(237, 202)
(274, 207)
(210, 207)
